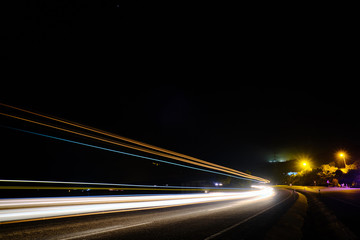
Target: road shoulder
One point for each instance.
(319, 222)
(290, 224)
(322, 223)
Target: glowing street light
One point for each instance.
(342, 154)
(304, 165)
(304, 162)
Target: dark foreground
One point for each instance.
(332, 213)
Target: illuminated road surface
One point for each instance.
(12, 210)
(203, 216)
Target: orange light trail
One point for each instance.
(159, 151)
(133, 141)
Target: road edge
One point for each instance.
(323, 222)
(290, 224)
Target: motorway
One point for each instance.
(238, 218)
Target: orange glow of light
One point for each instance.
(132, 144)
(342, 154)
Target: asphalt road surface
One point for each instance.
(344, 204)
(230, 219)
(332, 212)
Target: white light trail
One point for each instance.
(13, 210)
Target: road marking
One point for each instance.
(101, 230)
(245, 220)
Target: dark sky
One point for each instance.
(227, 87)
(236, 126)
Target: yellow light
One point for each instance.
(342, 155)
(304, 161)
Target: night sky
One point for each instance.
(239, 127)
(232, 89)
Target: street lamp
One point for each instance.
(304, 162)
(342, 155)
(305, 165)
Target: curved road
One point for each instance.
(230, 219)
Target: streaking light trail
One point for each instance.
(88, 185)
(134, 155)
(138, 145)
(19, 210)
